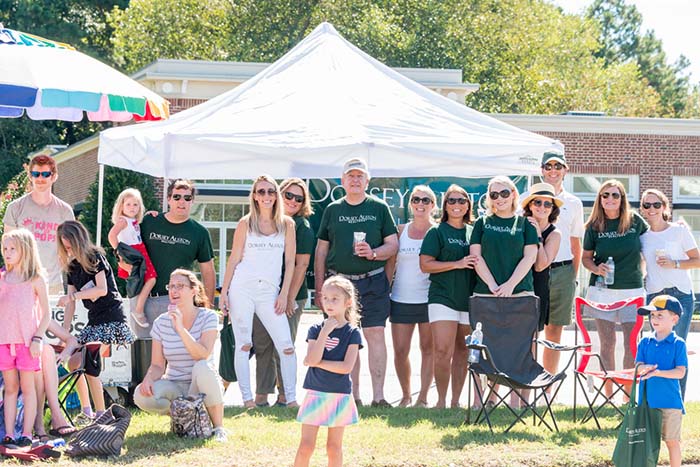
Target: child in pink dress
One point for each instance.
(24, 314)
(126, 217)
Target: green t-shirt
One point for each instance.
(625, 249)
(502, 244)
(172, 246)
(305, 246)
(339, 222)
(450, 288)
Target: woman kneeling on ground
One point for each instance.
(181, 355)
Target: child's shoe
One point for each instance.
(23, 441)
(8, 441)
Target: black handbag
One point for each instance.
(104, 437)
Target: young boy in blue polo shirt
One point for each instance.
(664, 361)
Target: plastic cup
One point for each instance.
(357, 238)
(660, 253)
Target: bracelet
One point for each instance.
(37, 339)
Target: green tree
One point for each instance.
(177, 29)
(622, 41)
(526, 55)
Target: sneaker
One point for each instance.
(23, 441)
(8, 441)
(220, 435)
(140, 319)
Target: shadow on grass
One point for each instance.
(154, 443)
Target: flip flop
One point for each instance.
(63, 431)
(262, 404)
(138, 319)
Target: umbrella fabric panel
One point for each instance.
(62, 78)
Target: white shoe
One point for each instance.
(220, 435)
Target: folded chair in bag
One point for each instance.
(598, 375)
(509, 326)
(104, 437)
(90, 363)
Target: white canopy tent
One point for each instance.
(320, 104)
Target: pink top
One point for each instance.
(19, 312)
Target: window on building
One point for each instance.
(586, 186)
(220, 218)
(686, 189)
(692, 218)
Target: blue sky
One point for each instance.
(675, 22)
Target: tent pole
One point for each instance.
(100, 190)
(165, 193)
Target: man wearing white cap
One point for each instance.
(564, 268)
(356, 236)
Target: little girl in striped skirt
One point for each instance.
(332, 352)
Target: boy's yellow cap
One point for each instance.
(662, 302)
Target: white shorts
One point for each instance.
(438, 312)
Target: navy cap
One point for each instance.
(662, 302)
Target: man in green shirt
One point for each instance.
(361, 261)
(173, 241)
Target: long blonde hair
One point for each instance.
(253, 216)
(200, 298)
(118, 209)
(501, 180)
(29, 265)
(597, 218)
(352, 313)
(83, 250)
(306, 210)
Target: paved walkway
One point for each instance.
(393, 391)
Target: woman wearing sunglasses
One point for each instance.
(264, 242)
(614, 230)
(297, 205)
(541, 208)
(445, 256)
(506, 244)
(409, 296)
(669, 251)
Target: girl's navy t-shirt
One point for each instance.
(336, 345)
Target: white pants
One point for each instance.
(258, 297)
(439, 312)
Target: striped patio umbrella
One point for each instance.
(52, 81)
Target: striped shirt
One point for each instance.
(180, 362)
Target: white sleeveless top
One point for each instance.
(263, 256)
(410, 284)
(131, 234)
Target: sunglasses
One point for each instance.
(456, 200)
(178, 197)
(291, 196)
(269, 191)
(656, 205)
(178, 286)
(607, 194)
(418, 200)
(539, 202)
(555, 166)
(503, 194)
(37, 174)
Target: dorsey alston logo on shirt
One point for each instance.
(168, 239)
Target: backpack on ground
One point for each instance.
(189, 417)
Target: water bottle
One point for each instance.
(600, 282)
(477, 337)
(610, 275)
(57, 442)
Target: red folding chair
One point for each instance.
(585, 372)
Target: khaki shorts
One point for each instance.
(671, 424)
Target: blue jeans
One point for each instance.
(683, 326)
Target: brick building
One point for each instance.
(641, 152)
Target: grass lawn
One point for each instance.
(385, 437)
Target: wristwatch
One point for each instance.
(374, 255)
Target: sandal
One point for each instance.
(420, 404)
(43, 439)
(63, 431)
(140, 319)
